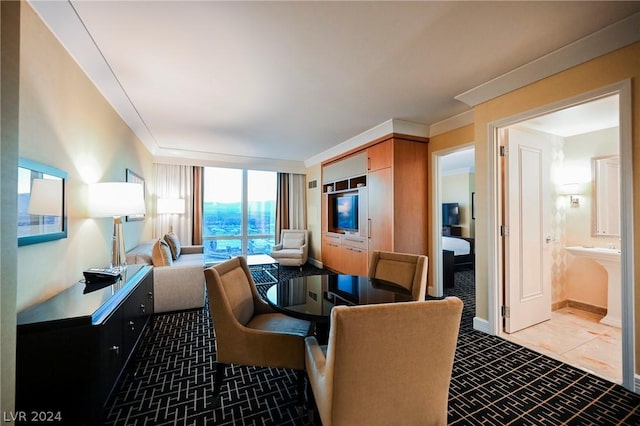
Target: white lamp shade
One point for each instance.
(46, 197)
(171, 206)
(107, 199)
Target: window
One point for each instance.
(239, 212)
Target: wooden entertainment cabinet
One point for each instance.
(389, 176)
(73, 348)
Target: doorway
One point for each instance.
(552, 241)
(454, 176)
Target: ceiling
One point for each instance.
(238, 81)
(591, 116)
(579, 119)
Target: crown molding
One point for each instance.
(209, 159)
(388, 127)
(608, 39)
(452, 123)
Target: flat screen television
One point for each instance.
(345, 212)
(450, 214)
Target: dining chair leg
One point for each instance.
(217, 384)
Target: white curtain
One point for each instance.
(173, 181)
(297, 201)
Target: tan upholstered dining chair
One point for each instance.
(385, 364)
(247, 330)
(406, 270)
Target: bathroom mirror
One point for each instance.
(41, 203)
(605, 218)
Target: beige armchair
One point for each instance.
(293, 249)
(247, 330)
(385, 364)
(406, 270)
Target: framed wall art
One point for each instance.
(41, 203)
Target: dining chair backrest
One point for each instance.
(406, 270)
(386, 363)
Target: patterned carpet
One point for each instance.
(494, 382)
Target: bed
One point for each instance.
(457, 253)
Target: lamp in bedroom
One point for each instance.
(116, 199)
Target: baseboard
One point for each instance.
(587, 307)
(636, 383)
(315, 263)
(481, 324)
(559, 305)
(568, 303)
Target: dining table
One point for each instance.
(312, 297)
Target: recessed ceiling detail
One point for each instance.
(282, 82)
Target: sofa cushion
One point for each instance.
(161, 254)
(174, 244)
(287, 254)
(292, 243)
(190, 259)
(141, 253)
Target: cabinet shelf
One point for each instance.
(345, 184)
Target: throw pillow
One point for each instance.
(292, 243)
(161, 254)
(174, 244)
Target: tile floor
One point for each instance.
(577, 338)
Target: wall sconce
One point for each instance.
(170, 206)
(116, 199)
(573, 190)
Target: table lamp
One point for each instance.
(171, 206)
(116, 199)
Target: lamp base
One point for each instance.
(118, 256)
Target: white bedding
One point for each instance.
(457, 245)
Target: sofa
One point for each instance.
(178, 278)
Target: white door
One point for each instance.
(527, 217)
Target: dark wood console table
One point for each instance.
(73, 347)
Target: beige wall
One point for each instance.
(66, 123)
(600, 72)
(314, 212)
(9, 90)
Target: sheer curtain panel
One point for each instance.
(174, 181)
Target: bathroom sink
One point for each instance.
(595, 253)
(609, 259)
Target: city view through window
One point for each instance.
(239, 212)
